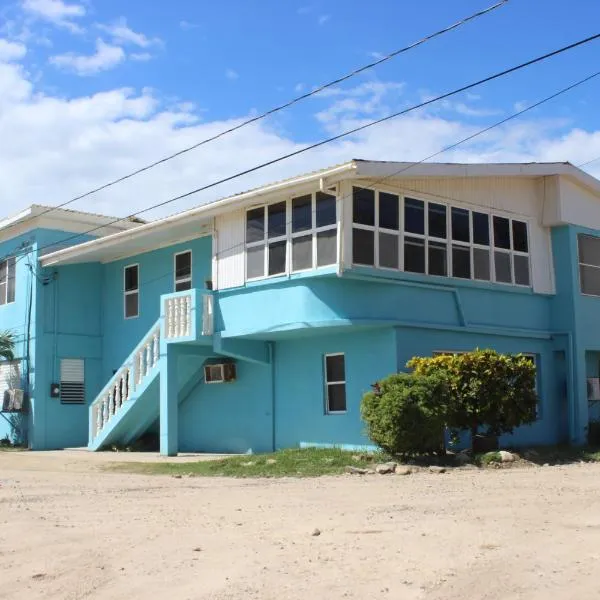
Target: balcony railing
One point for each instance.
(187, 315)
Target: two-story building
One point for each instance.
(258, 321)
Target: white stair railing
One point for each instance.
(121, 386)
(178, 315)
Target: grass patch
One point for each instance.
(309, 462)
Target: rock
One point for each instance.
(271, 461)
(402, 470)
(177, 476)
(356, 470)
(470, 466)
(546, 465)
(385, 468)
(316, 532)
(248, 464)
(462, 459)
(438, 470)
(506, 457)
(531, 455)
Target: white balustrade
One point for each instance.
(178, 315)
(121, 386)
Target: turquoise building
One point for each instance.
(258, 321)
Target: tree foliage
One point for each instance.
(7, 345)
(404, 413)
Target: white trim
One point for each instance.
(5, 283)
(182, 279)
(131, 292)
(328, 383)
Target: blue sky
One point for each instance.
(91, 89)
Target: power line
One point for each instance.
(338, 136)
(283, 106)
(589, 162)
(410, 166)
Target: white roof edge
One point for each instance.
(206, 210)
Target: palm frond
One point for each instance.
(7, 345)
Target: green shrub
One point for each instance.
(404, 414)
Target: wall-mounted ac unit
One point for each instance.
(13, 401)
(219, 373)
(593, 388)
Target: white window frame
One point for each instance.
(448, 241)
(11, 265)
(131, 292)
(582, 264)
(289, 236)
(328, 383)
(186, 279)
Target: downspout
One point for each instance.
(273, 403)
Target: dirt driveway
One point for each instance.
(70, 531)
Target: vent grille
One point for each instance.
(72, 381)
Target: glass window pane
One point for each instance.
(388, 250)
(3, 271)
(520, 236)
(255, 225)
(460, 225)
(131, 278)
(461, 262)
(414, 255)
(302, 253)
(436, 215)
(481, 229)
(131, 305)
(277, 252)
(326, 247)
(589, 250)
(502, 263)
(181, 286)
(414, 216)
(301, 213)
(336, 397)
(363, 247)
(589, 276)
(325, 209)
(388, 211)
(276, 219)
(363, 202)
(3, 292)
(183, 265)
(255, 262)
(501, 233)
(521, 269)
(438, 263)
(10, 292)
(336, 370)
(481, 264)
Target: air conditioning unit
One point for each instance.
(13, 401)
(593, 388)
(219, 373)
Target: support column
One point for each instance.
(169, 408)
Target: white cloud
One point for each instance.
(106, 57)
(57, 12)
(141, 56)
(299, 87)
(376, 55)
(323, 19)
(231, 74)
(121, 33)
(187, 25)
(11, 50)
(87, 140)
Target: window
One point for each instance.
(436, 239)
(589, 264)
(7, 280)
(376, 228)
(294, 235)
(335, 383)
(183, 271)
(72, 381)
(131, 287)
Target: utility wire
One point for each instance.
(337, 137)
(589, 162)
(281, 107)
(410, 166)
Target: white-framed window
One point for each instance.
(437, 239)
(335, 383)
(183, 271)
(72, 381)
(131, 291)
(589, 264)
(291, 236)
(7, 280)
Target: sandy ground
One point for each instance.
(70, 531)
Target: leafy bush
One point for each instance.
(404, 414)
(485, 389)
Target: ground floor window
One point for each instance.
(335, 383)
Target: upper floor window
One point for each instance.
(183, 271)
(131, 287)
(437, 239)
(291, 235)
(589, 264)
(7, 280)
